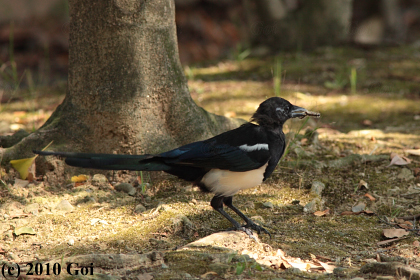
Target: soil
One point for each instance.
(326, 205)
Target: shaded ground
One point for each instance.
(365, 117)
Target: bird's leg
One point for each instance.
(249, 223)
(217, 204)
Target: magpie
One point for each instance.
(235, 160)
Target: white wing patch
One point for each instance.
(252, 148)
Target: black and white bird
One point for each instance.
(235, 160)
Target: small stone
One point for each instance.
(294, 270)
(315, 205)
(340, 271)
(187, 275)
(139, 208)
(165, 266)
(65, 206)
(358, 207)
(268, 204)
(317, 187)
(32, 208)
(358, 278)
(126, 188)
(71, 242)
(19, 183)
(99, 179)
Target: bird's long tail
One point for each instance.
(111, 161)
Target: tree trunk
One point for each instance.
(126, 89)
(290, 27)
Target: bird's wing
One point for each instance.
(233, 151)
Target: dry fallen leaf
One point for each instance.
(24, 230)
(79, 179)
(322, 213)
(368, 212)
(328, 268)
(414, 152)
(299, 264)
(395, 232)
(408, 223)
(23, 165)
(371, 198)
(208, 273)
(346, 213)
(280, 253)
(385, 242)
(404, 226)
(26, 166)
(398, 160)
(362, 184)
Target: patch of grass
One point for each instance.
(353, 80)
(241, 53)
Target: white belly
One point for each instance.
(227, 183)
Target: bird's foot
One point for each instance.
(244, 229)
(248, 229)
(257, 228)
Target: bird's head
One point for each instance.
(275, 111)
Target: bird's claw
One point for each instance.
(244, 229)
(257, 228)
(248, 229)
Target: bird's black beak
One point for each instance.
(299, 112)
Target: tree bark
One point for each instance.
(126, 88)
